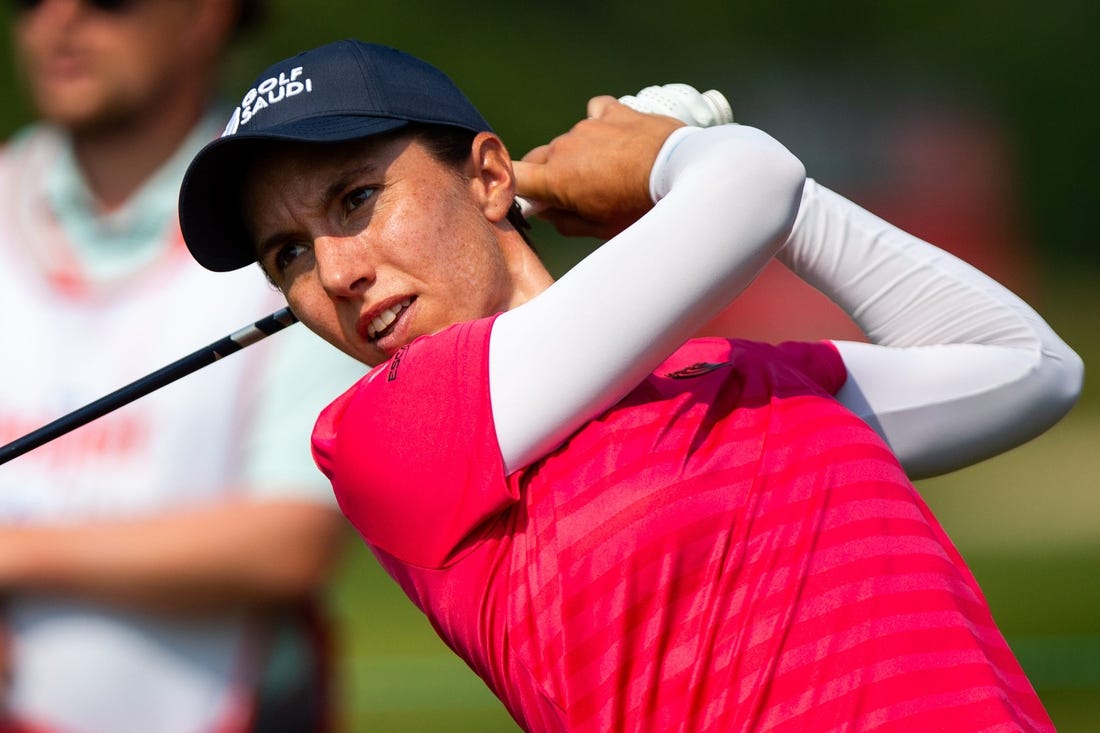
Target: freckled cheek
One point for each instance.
(419, 221)
(418, 241)
(441, 239)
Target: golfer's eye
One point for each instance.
(356, 197)
(286, 254)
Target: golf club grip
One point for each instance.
(205, 356)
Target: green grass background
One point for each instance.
(1028, 523)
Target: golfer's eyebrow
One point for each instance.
(273, 242)
(345, 179)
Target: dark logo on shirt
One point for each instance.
(395, 362)
(697, 369)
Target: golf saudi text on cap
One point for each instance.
(342, 91)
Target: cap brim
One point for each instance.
(210, 213)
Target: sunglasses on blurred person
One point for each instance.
(106, 6)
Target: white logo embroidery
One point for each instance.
(233, 124)
(268, 92)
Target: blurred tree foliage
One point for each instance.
(530, 67)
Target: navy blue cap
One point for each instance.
(342, 91)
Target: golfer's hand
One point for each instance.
(594, 179)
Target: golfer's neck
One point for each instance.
(529, 276)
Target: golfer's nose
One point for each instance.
(343, 265)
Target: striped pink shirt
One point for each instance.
(726, 549)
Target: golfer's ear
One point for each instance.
(492, 178)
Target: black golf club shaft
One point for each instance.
(234, 342)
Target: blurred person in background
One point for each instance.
(160, 568)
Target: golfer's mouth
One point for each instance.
(384, 322)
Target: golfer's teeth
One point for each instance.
(382, 321)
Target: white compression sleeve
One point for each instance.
(960, 369)
(730, 196)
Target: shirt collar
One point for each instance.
(121, 241)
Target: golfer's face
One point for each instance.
(375, 243)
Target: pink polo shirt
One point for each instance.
(727, 548)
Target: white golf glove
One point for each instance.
(682, 101)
